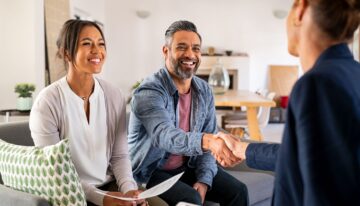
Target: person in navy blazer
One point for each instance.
(318, 161)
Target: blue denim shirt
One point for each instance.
(154, 132)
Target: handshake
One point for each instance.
(227, 149)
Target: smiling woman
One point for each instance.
(81, 108)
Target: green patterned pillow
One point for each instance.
(47, 172)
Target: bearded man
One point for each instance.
(172, 128)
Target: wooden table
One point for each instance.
(250, 100)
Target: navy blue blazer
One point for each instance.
(318, 162)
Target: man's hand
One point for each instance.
(219, 150)
(109, 201)
(202, 189)
(235, 144)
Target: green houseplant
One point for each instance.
(24, 101)
(133, 88)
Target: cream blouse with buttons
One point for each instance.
(98, 147)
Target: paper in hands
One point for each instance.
(152, 192)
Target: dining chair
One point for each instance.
(239, 126)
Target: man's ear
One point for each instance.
(300, 9)
(165, 51)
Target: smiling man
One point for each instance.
(172, 127)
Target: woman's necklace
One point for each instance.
(84, 98)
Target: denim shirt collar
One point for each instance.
(197, 99)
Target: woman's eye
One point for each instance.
(86, 43)
(102, 44)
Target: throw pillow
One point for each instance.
(47, 172)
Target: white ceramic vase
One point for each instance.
(24, 103)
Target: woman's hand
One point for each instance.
(235, 145)
(110, 201)
(135, 193)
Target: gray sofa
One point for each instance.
(17, 133)
(259, 183)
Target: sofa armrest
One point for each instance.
(13, 197)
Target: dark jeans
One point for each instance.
(225, 189)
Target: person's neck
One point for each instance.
(311, 48)
(182, 85)
(82, 84)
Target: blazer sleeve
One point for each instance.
(262, 156)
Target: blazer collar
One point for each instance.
(338, 51)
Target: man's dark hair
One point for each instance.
(182, 25)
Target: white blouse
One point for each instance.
(88, 141)
(98, 148)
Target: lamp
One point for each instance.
(143, 14)
(279, 14)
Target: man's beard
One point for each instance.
(184, 74)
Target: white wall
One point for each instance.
(22, 47)
(94, 8)
(134, 44)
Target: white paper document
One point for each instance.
(152, 192)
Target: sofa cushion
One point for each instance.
(13, 197)
(16, 133)
(47, 172)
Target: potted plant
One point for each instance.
(24, 100)
(133, 88)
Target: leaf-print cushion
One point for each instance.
(47, 172)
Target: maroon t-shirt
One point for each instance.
(184, 104)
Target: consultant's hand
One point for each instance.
(235, 144)
(219, 150)
(202, 189)
(135, 193)
(110, 201)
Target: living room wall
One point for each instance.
(134, 44)
(134, 49)
(22, 43)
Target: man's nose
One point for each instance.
(189, 53)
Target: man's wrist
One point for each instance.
(206, 141)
